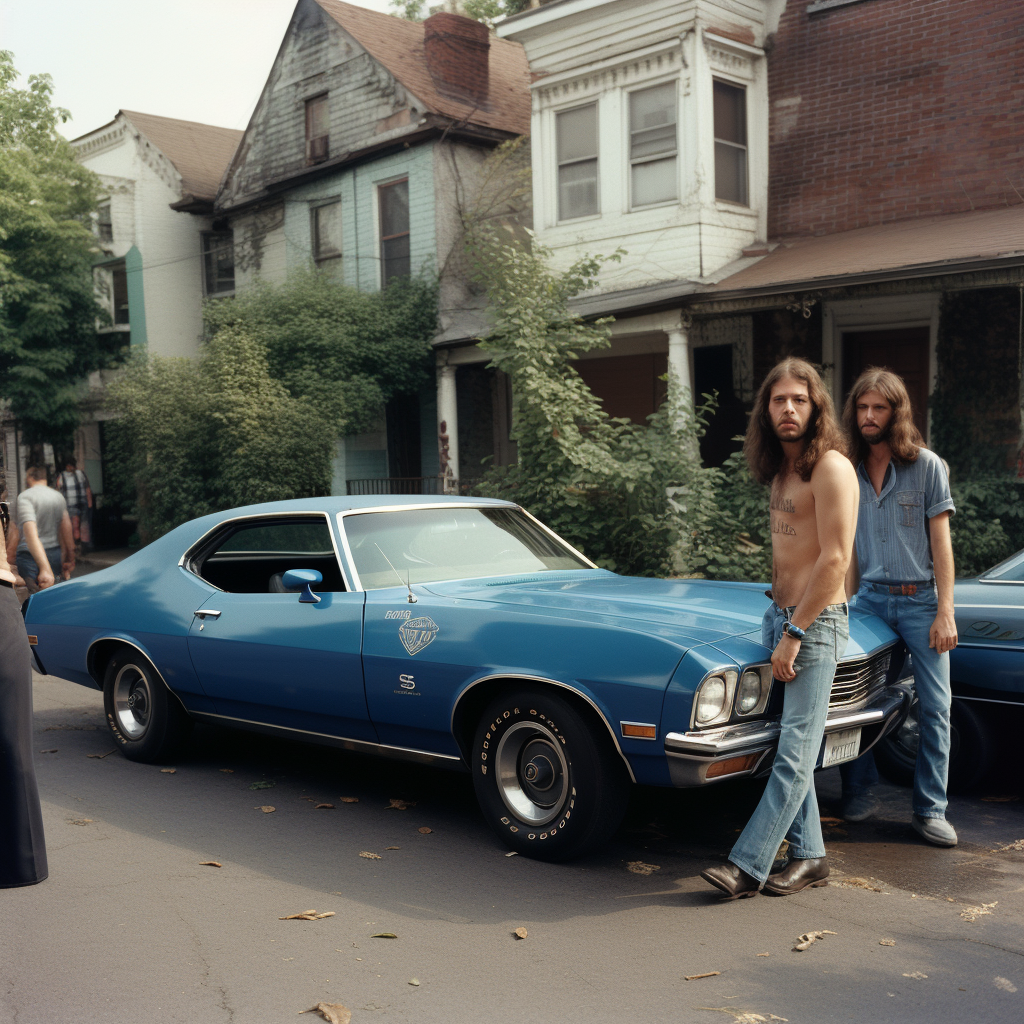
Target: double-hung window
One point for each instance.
(218, 262)
(326, 232)
(652, 145)
(730, 143)
(394, 231)
(576, 138)
(104, 223)
(317, 130)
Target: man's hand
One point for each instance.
(67, 567)
(783, 657)
(942, 636)
(45, 578)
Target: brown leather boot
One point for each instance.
(798, 875)
(733, 881)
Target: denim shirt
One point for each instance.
(893, 543)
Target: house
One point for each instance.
(838, 179)
(367, 135)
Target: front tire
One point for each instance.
(146, 719)
(547, 779)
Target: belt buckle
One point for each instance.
(906, 589)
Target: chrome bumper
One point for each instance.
(691, 754)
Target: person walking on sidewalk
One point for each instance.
(46, 546)
(22, 844)
(795, 444)
(74, 485)
(904, 558)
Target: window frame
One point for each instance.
(105, 236)
(320, 97)
(632, 161)
(324, 259)
(596, 158)
(382, 238)
(206, 251)
(744, 147)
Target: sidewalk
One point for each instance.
(96, 560)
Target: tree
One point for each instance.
(48, 308)
(487, 11)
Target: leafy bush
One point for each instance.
(989, 522)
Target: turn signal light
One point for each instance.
(633, 730)
(732, 765)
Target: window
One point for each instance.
(652, 145)
(218, 262)
(394, 231)
(730, 143)
(317, 130)
(119, 283)
(326, 232)
(576, 132)
(104, 225)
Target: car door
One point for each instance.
(262, 654)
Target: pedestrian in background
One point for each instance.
(46, 540)
(904, 557)
(74, 485)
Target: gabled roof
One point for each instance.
(397, 44)
(200, 152)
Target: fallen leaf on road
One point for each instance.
(856, 883)
(52, 751)
(349, 799)
(638, 867)
(998, 799)
(520, 933)
(265, 808)
(771, 1016)
(370, 856)
(1016, 845)
(228, 771)
(743, 1016)
(697, 977)
(324, 807)
(392, 847)
(79, 821)
(400, 805)
(916, 974)
(334, 1013)
(384, 935)
(764, 954)
(809, 938)
(887, 942)
(424, 831)
(307, 915)
(101, 756)
(415, 982)
(265, 784)
(512, 854)
(210, 864)
(973, 913)
(1005, 984)
(168, 771)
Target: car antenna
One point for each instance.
(412, 596)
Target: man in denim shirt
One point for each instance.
(905, 559)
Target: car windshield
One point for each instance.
(1010, 571)
(433, 544)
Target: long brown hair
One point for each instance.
(762, 447)
(904, 438)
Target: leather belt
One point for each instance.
(904, 589)
(6, 583)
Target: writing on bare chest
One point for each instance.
(779, 525)
(781, 503)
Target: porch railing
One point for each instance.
(401, 485)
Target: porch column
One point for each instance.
(447, 424)
(679, 351)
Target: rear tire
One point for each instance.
(546, 777)
(148, 722)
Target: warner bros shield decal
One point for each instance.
(416, 634)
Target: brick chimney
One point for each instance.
(457, 51)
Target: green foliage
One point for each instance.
(487, 11)
(989, 522)
(342, 351)
(198, 437)
(48, 310)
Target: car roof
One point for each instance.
(351, 502)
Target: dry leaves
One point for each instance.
(513, 853)
(973, 913)
(400, 805)
(370, 856)
(307, 915)
(1016, 845)
(168, 771)
(520, 933)
(384, 935)
(638, 867)
(424, 831)
(809, 938)
(80, 821)
(265, 784)
(744, 1016)
(764, 954)
(349, 799)
(265, 808)
(210, 864)
(697, 977)
(324, 807)
(334, 1013)
(101, 756)
(392, 848)
(415, 982)
(887, 942)
(856, 883)
(916, 974)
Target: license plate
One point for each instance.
(840, 747)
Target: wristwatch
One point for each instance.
(794, 631)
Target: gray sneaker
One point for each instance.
(935, 830)
(859, 808)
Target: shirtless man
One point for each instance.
(794, 443)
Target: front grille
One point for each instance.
(859, 679)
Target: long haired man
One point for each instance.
(794, 443)
(905, 560)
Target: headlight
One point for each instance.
(713, 701)
(749, 695)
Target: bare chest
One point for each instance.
(792, 509)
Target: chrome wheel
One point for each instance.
(533, 777)
(133, 702)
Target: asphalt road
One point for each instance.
(131, 927)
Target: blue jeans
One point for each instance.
(29, 570)
(912, 618)
(789, 807)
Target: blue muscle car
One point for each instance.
(986, 674)
(455, 632)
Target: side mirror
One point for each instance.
(297, 579)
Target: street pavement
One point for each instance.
(132, 927)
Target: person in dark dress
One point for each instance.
(22, 845)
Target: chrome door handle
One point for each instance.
(205, 613)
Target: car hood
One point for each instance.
(686, 611)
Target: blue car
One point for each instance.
(986, 671)
(452, 632)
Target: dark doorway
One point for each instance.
(712, 371)
(903, 350)
(630, 387)
(403, 426)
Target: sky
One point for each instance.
(199, 60)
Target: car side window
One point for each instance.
(252, 556)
